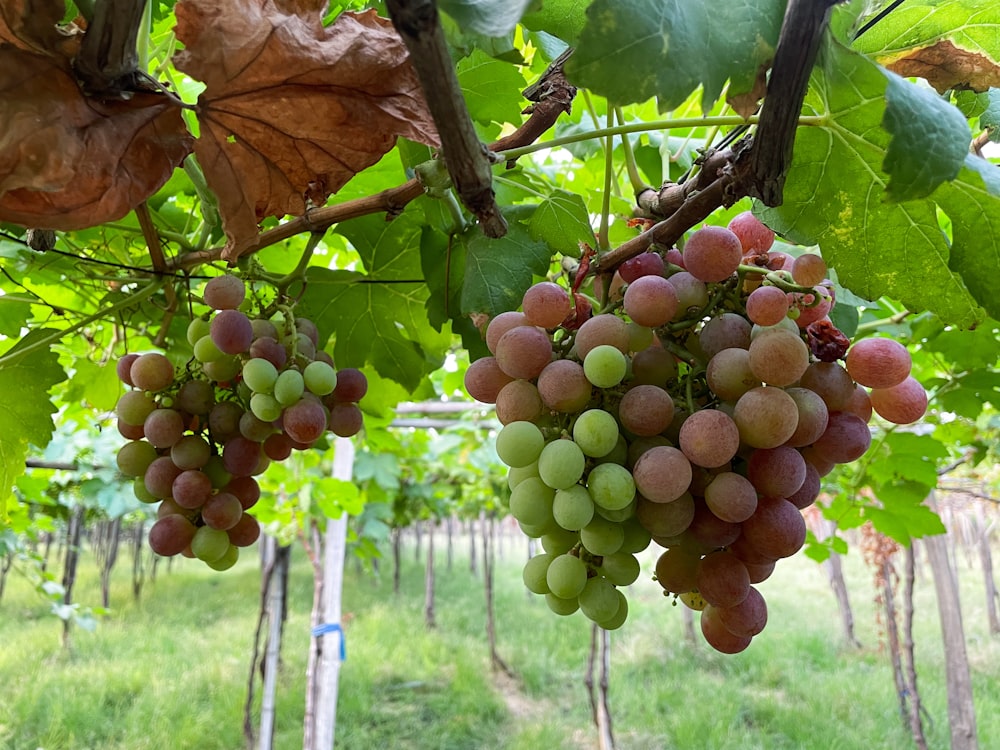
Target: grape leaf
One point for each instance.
(33, 26)
(14, 313)
(951, 43)
(94, 384)
(990, 117)
(835, 196)
(292, 109)
(484, 82)
(903, 518)
(560, 18)
(563, 223)
(488, 17)
(498, 271)
(25, 407)
(631, 50)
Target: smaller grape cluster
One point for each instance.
(699, 408)
(256, 390)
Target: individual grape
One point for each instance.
(195, 397)
(845, 439)
(618, 454)
(708, 532)
(776, 529)
(245, 532)
(289, 387)
(636, 537)
(263, 328)
(859, 403)
(240, 456)
(808, 269)
(546, 305)
(224, 420)
(255, 429)
(320, 378)
(304, 347)
(712, 253)
(786, 324)
(523, 352)
(560, 464)
(206, 351)
(305, 421)
(666, 519)
(806, 495)
(231, 331)
(500, 324)
(227, 560)
(572, 508)
(222, 370)
(171, 534)
(151, 372)
(352, 385)
(266, 408)
(224, 293)
(519, 444)
(726, 331)
(484, 379)
(821, 463)
(216, 471)
(560, 606)
(621, 568)
(776, 472)
(133, 407)
(692, 293)
(596, 432)
(123, 368)
(602, 330)
(163, 427)
(676, 570)
(197, 329)
(191, 488)
(903, 403)
(556, 541)
(755, 238)
(602, 537)
(644, 264)
(563, 386)
(346, 420)
(611, 486)
(639, 337)
(759, 572)
(709, 438)
(566, 576)
(246, 490)
(748, 553)
(135, 457)
(731, 497)
(767, 305)
(662, 474)
(160, 476)
(268, 348)
(209, 544)
(653, 365)
(766, 417)
(878, 362)
(533, 573)
(722, 579)
(278, 446)
(260, 375)
(718, 637)
(779, 359)
(729, 374)
(130, 431)
(646, 410)
(518, 401)
(516, 476)
(599, 599)
(222, 511)
(605, 366)
(307, 327)
(650, 301)
(831, 382)
(619, 515)
(747, 618)
(813, 417)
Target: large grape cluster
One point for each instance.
(256, 390)
(699, 409)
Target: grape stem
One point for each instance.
(299, 272)
(874, 325)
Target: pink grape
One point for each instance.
(523, 352)
(245, 532)
(191, 488)
(766, 417)
(776, 528)
(224, 293)
(346, 419)
(352, 385)
(845, 439)
(767, 305)
(709, 438)
(717, 636)
(722, 579)
(546, 305)
(518, 401)
(124, 366)
(731, 497)
(831, 382)
(563, 386)
(729, 374)
(676, 570)
(163, 427)
(500, 324)
(692, 294)
(662, 474)
(747, 618)
(483, 380)
(654, 365)
(712, 253)
(240, 456)
(305, 421)
(878, 362)
(779, 358)
(650, 301)
(644, 264)
(726, 331)
(222, 511)
(776, 472)
(903, 403)
(171, 534)
(753, 235)
(604, 329)
(808, 269)
(151, 372)
(231, 331)
(646, 410)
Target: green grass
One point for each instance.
(171, 670)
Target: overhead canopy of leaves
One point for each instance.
(292, 109)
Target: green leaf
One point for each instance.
(95, 384)
(835, 196)
(990, 118)
(383, 468)
(14, 312)
(929, 140)
(498, 271)
(562, 221)
(488, 17)
(25, 408)
(334, 497)
(631, 50)
(492, 89)
(904, 517)
(561, 18)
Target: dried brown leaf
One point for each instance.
(33, 26)
(747, 103)
(292, 109)
(69, 162)
(946, 66)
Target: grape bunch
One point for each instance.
(698, 409)
(256, 390)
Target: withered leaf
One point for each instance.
(69, 162)
(292, 109)
(32, 25)
(946, 66)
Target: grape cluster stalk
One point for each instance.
(698, 409)
(256, 389)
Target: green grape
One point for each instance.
(535, 532)
(618, 619)
(216, 472)
(566, 576)
(560, 606)
(573, 508)
(516, 476)
(133, 407)
(205, 350)
(141, 493)
(222, 369)
(320, 378)
(621, 568)
(289, 387)
(534, 573)
(135, 457)
(266, 408)
(599, 599)
(596, 432)
(519, 444)
(196, 330)
(209, 544)
(637, 538)
(260, 375)
(602, 537)
(560, 464)
(611, 486)
(531, 502)
(618, 454)
(558, 540)
(605, 366)
(228, 559)
(618, 515)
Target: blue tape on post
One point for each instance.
(332, 627)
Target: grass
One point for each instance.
(171, 669)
